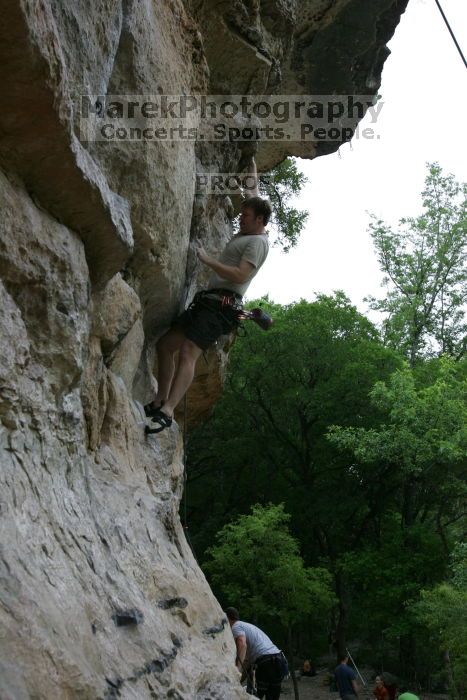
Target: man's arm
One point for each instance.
(355, 687)
(337, 682)
(238, 275)
(254, 191)
(240, 643)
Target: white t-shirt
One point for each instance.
(253, 248)
(258, 643)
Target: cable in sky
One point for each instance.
(451, 32)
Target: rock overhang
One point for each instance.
(96, 256)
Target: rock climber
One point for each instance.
(263, 663)
(214, 311)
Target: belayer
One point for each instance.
(263, 664)
(215, 311)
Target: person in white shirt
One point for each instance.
(256, 651)
(213, 312)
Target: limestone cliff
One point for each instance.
(95, 259)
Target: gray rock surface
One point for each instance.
(97, 248)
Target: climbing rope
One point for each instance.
(451, 32)
(185, 518)
(185, 480)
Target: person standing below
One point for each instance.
(390, 683)
(256, 652)
(214, 311)
(346, 679)
(380, 691)
(307, 669)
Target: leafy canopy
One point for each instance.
(284, 389)
(280, 186)
(424, 262)
(443, 610)
(257, 561)
(363, 437)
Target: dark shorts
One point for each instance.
(206, 320)
(269, 677)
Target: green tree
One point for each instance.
(257, 561)
(281, 185)
(378, 505)
(423, 439)
(424, 263)
(422, 444)
(379, 500)
(381, 578)
(284, 389)
(443, 610)
(314, 368)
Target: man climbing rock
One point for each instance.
(213, 312)
(258, 657)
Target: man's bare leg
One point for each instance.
(188, 356)
(167, 348)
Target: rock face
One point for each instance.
(100, 596)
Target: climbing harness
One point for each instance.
(228, 305)
(225, 296)
(250, 672)
(233, 302)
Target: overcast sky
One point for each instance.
(424, 88)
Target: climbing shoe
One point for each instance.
(150, 410)
(161, 420)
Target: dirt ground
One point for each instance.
(316, 689)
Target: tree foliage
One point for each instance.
(423, 439)
(362, 435)
(424, 262)
(374, 500)
(314, 368)
(256, 564)
(280, 185)
(443, 610)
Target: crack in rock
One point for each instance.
(215, 629)
(170, 603)
(154, 666)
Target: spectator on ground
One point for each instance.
(308, 669)
(380, 691)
